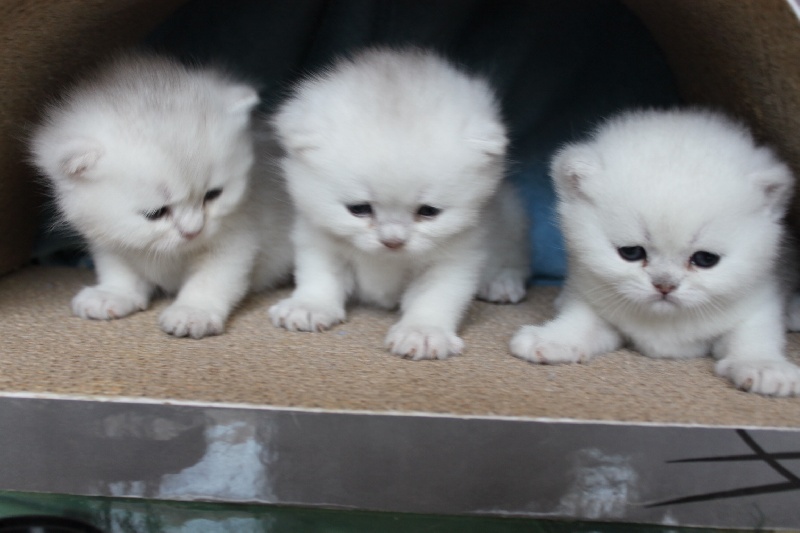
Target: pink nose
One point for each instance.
(189, 235)
(664, 288)
(393, 244)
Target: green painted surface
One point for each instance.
(126, 515)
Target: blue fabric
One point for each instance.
(558, 66)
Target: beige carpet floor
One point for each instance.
(44, 349)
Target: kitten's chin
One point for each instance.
(176, 246)
(664, 306)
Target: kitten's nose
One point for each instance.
(393, 244)
(664, 288)
(189, 223)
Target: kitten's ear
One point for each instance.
(241, 99)
(298, 143)
(490, 138)
(570, 167)
(776, 183)
(78, 157)
(296, 132)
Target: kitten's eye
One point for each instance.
(428, 211)
(360, 210)
(156, 214)
(704, 259)
(212, 194)
(632, 253)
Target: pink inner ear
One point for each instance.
(776, 183)
(571, 166)
(773, 190)
(76, 164)
(573, 181)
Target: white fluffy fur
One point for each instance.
(399, 130)
(145, 133)
(675, 183)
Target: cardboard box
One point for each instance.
(264, 415)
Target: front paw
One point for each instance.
(770, 378)
(423, 342)
(186, 321)
(534, 344)
(101, 304)
(506, 287)
(296, 315)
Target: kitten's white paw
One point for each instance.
(508, 286)
(533, 343)
(296, 315)
(101, 304)
(185, 321)
(422, 342)
(771, 378)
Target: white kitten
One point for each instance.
(394, 163)
(151, 162)
(673, 223)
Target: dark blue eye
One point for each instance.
(428, 211)
(155, 214)
(360, 210)
(632, 253)
(212, 194)
(704, 259)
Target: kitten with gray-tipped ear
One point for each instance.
(395, 161)
(154, 163)
(673, 222)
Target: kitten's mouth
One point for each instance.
(664, 303)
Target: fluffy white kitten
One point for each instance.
(395, 163)
(673, 224)
(151, 161)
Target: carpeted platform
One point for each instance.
(47, 350)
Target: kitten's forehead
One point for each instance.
(681, 162)
(391, 190)
(179, 190)
(684, 191)
(670, 234)
(670, 228)
(181, 151)
(395, 176)
(170, 170)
